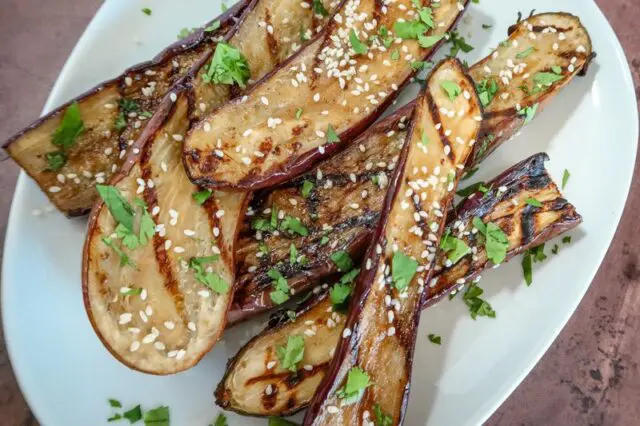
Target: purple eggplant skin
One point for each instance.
(191, 45)
(527, 178)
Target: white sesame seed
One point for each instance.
(54, 189)
(134, 346)
(346, 333)
(191, 326)
(332, 409)
(178, 249)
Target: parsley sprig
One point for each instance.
(228, 66)
(357, 382)
(291, 354)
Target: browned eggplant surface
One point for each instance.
(341, 205)
(321, 320)
(107, 120)
(158, 260)
(380, 329)
(324, 96)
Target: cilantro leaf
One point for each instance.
(547, 78)
(211, 28)
(382, 419)
(409, 29)
(527, 269)
(434, 338)
(291, 354)
(496, 242)
(55, 160)
(566, 239)
(487, 90)
(477, 306)
(185, 32)
(455, 247)
(465, 192)
(121, 122)
(307, 187)
(70, 128)
(342, 260)
(299, 113)
(458, 43)
(403, 268)
(221, 420)
(421, 65)
(294, 225)
(529, 113)
(293, 253)
(133, 415)
(318, 8)
(124, 258)
(357, 382)
(332, 136)
(556, 69)
(147, 11)
(280, 294)
(451, 88)
(114, 403)
(114, 418)
(525, 53)
(120, 208)
(339, 293)
(210, 279)
(228, 66)
(202, 196)
(359, 47)
(565, 177)
(429, 41)
(157, 417)
(533, 202)
(277, 421)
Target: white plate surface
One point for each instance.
(591, 129)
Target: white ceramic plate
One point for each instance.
(591, 129)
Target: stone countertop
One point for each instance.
(589, 376)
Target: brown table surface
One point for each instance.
(589, 376)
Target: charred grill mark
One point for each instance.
(272, 42)
(327, 30)
(269, 401)
(291, 380)
(540, 28)
(435, 113)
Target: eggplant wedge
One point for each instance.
(255, 367)
(321, 98)
(158, 262)
(112, 114)
(384, 311)
(526, 71)
(341, 205)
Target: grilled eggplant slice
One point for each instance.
(342, 208)
(248, 373)
(114, 113)
(157, 293)
(517, 80)
(324, 96)
(381, 327)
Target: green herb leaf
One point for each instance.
(298, 113)
(429, 41)
(120, 208)
(55, 160)
(277, 421)
(382, 419)
(357, 382)
(228, 66)
(133, 415)
(221, 420)
(324, 240)
(465, 192)
(294, 225)
(307, 187)
(477, 306)
(410, 29)
(533, 202)
(455, 247)
(121, 122)
(566, 239)
(157, 417)
(395, 55)
(403, 268)
(486, 26)
(202, 196)
(451, 88)
(426, 16)
(261, 224)
(527, 268)
(434, 338)
(342, 260)
(547, 78)
(470, 173)
(147, 11)
(70, 128)
(212, 27)
(487, 90)
(184, 33)
(131, 292)
(224, 7)
(555, 249)
(339, 293)
(421, 65)
(293, 254)
(359, 47)
(318, 8)
(529, 113)
(458, 43)
(124, 258)
(291, 354)
(114, 403)
(496, 243)
(280, 285)
(565, 177)
(332, 136)
(537, 253)
(114, 418)
(525, 53)
(210, 279)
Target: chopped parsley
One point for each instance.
(359, 47)
(487, 90)
(342, 260)
(555, 249)
(324, 240)
(565, 177)
(332, 136)
(434, 338)
(277, 421)
(212, 27)
(293, 225)
(429, 41)
(395, 55)
(528, 113)
(293, 254)
(455, 247)
(147, 11)
(307, 187)
(211, 279)
(185, 32)
(121, 122)
(202, 196)
(409, 29)
(495, 240)
(318, 8)
(403, 268)
(527, 268)
(566, 239)
(124, 258)
(133, 415)
(224, 7)
(221, 420)
(383, 33)
(228, 66)
(533, 202)
(547, 78)
(477, 306)
(556, 69)
(132, 292)
(55, 160)
(298, 113)
(470, 173)
(70, 128)
(157, 417)
(451, 88)
(114, 403)
(421, 65)
(291, 354)
(525, 53)
(280, 293)
(478, 186)
(486, 26)
(120, 208)
(382, 419)
(339, 293)
(458, 43)
(357, 382)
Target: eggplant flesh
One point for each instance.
(526, 226)
(322, 97)
(343, 208)
(100, 150)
